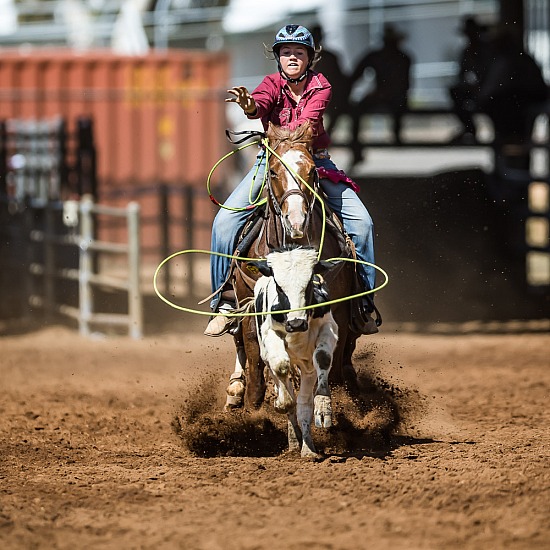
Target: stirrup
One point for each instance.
(364, 324)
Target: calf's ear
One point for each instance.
(261, 266)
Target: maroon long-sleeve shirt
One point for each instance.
(275, 104)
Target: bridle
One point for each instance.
(275, 202)
(278, 203)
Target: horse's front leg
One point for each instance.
(294, 433)
(237, 382)
(255, 380)
(322, 359)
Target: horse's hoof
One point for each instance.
(309, 454)
(235, 392)
(322, 411)
(232, 403)
(294, 447)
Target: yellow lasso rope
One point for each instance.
(257, 313)
(252, 203)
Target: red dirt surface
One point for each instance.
(103, 445)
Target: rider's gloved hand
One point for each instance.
(243, 99)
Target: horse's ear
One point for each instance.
(270, 130)
(304, 133)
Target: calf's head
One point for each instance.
(295, 274)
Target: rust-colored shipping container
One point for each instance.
(157, 119)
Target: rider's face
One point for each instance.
(294, 59)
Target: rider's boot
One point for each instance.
(368, 325)
(363, 321)
(220, 324)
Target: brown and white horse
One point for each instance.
(291, 219)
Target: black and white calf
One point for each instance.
(298, 343)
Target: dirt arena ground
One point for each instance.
(95, 449)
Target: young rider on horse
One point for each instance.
(289, 98)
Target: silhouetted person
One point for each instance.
(473, 65)
(391, 68)
(513, 85)
(510, 95)
(329, 65)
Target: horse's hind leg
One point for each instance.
(348, 370)
(256, 385)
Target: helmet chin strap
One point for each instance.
(292, 80)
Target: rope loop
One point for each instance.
(258, 313)
(253, 203)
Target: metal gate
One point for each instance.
(49, 277)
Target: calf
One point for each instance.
(298, 344)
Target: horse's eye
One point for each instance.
(273, 174)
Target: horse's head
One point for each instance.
(289, 196)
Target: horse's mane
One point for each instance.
(303, 134)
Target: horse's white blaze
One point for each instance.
(292, 160)
(294, 203)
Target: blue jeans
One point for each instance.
(341, 198)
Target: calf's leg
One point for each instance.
(322, 359)
(274, 354)
(304, 409)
